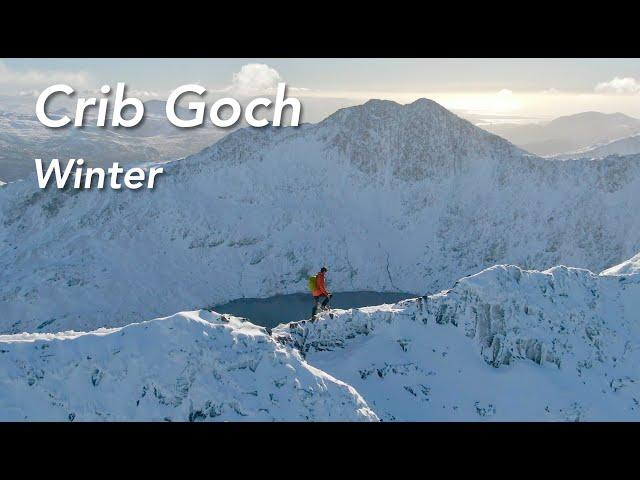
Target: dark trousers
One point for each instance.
(316, 300)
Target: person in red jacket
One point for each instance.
(320, 291)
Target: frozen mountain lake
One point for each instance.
(271, 311)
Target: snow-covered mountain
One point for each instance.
(557, 345)
(569, 133)
(23, 138)
(503, 344)
(192, 366)
(624, 146)
(393, 198)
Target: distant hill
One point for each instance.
(624, 146)
(569, 133)
(23, 138)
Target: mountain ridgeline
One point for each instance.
(560, 343)
(393, 198)
(571, 133)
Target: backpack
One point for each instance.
(312, 284)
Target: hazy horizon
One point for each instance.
(490, 90)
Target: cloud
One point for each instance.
(619, 85)
(255, 78)
(30, 80)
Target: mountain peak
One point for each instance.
(391, 106)
(425, 111)
(383, 138)
(376, 102)
(424, 102)
(413, 141)
(596, 117)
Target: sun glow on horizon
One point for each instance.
(511, 105)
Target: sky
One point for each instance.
(497, 90)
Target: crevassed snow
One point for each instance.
(504, 344)
(192, 366)
(390, 197)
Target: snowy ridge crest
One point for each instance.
(192, 366)
(504, 344)
(559, 317)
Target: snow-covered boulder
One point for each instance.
(191, 366)
(504, 344)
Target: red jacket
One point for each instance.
(320, 287)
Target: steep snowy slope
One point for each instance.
(628, 267)
(562, 344)
(194, 366)
(393, 198)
